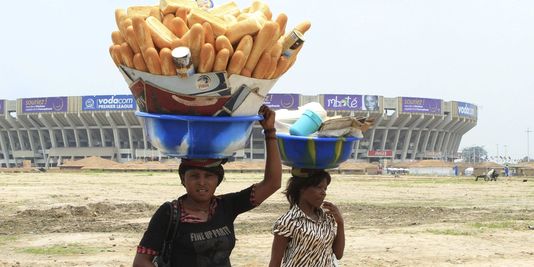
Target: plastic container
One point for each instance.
(307, 124)
(198, 136)
(314, 152)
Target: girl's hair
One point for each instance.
(217, 170)
(297, 183)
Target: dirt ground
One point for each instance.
(97, 219)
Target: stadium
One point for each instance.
(48, 130)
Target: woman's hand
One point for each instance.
(268, 117)
(334, 211)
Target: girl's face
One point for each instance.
(200, 184)
(314, 195)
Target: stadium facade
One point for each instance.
(49, 130)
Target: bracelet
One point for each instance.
(269, 130)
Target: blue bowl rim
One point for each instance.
(316, 138)
(197, 118)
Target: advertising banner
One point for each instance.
(45, 104)
(467, 110)
(342, 102)
(421, 105)
(282, 101)
(388, 153)
(109, 102)
(2, 106)
(370, 103)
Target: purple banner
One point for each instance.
(467, 110)
(44, 104)
(109, 102)
(342, 102)
(2, 106)
(421, 105)
(282, 101)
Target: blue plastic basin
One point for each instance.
(314, 152)
(198, 136)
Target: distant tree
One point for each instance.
(474, 154)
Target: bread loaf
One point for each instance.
(142, 34)
(276, 52)
(167, 65)
(248, 26)
(236, 63)
(207, 57)
(209, 37)
(160, 34)
(139, 11)
(263, 66)
(281, 19)
(167, 20)
(201, 16)
(115, 51)
(229, 8)
(152, 60)
(139, 62)
(194, 39)
(131, 40)
(303, 27)
(222, 42)
(182, 12)
(221, 60)
(116, 37)
(127, 55)
(261, 42)
(281, 66)
(178, 27)
(170, 6)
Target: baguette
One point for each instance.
(156, 13)
(178, 26)
(131, 40)
(182, 12)
(167, 20)
(229, 8)
(201, 16)
(139, 11)
(120, 14)
(230, 20)
(303, 27)
(127, 55)
(170, 6)
(236, 63)
(160, 34)
(152, 60)
(222, 42)
(139, 62)
(142, 34)
(281, 19)
(262, 41)
(124, 24)
(276, 52)
(116, 37)
(248, 26)
(221, 60)
(281, 66)
(115, 51)
(207, 57)
(167, 65)
(245, 46)
(259, 6)
(194, 39)
(263, 66)
(209, 37)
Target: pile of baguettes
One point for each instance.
(224, 38)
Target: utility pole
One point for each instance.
(528, 145)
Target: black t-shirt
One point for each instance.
(201, 244)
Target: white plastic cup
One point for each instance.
(307, 124)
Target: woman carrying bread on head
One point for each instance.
(205, 235)
(312, 232)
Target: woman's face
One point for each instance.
(200, 184)
(315, 194)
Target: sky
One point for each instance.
(475, 51)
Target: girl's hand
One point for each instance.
(268, 117)
(334, 211)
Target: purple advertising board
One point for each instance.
(109, 102)
(2, 106)
(282, 101)
(45, 104)
(342, 102)
(467, 110)
(421, 105)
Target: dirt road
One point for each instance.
(97, 219)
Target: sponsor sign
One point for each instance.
(282, 101)
(342, 102)
(109, 102)
(421, 105)
(370, 103)
(467, 110)
(45, 104)
(388, 153)
(2, 105)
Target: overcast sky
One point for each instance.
(476, 51)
